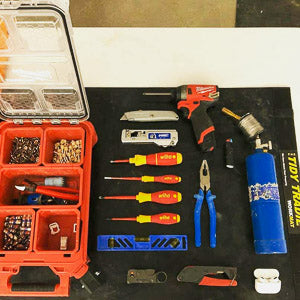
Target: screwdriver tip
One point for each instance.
(108, 219)
(107, 177)
(100, 197)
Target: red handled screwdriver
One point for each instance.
(168, 179)
(163, 218)
(156, 159)
(162, 197)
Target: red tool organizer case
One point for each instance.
(41, 96)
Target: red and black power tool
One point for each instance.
(193, 100)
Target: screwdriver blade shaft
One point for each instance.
(124, 178)
(122, 219)
(118, 197)
(119, 161)
(157, 94)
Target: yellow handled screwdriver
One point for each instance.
(163, 218)
(162, 197)
(168, 179)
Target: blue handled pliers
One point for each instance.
(205, 192)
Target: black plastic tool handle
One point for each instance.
(32, 287)
(203, 128)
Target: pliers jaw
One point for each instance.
(204, 176)
(27, 185)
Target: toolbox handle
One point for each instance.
(33, 287)
(41, 289)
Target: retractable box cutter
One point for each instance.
(163, 138)
(209, 275)
(150, 116)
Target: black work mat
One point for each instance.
(257, 13)
(272, 107)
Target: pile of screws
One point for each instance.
(25, 150)
(16, 232)
(67, 151)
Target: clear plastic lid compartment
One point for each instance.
(38, 76)
(40, 33)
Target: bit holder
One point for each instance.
(248, 124)
(250, 127)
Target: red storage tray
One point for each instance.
(7, 141)
(10, 212)
(53, 135)
(44, 249)
(9, 177)
(68, 222)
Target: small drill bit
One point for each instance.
(231, 113)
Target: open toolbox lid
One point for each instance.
(39, 75)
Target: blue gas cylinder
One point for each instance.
(265, 204)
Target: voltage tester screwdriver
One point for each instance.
(162, 197)
(168, 179)
(163, 218)
(193, 101)
(156, 159)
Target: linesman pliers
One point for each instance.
(205, 192)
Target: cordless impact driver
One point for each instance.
(193, 101)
